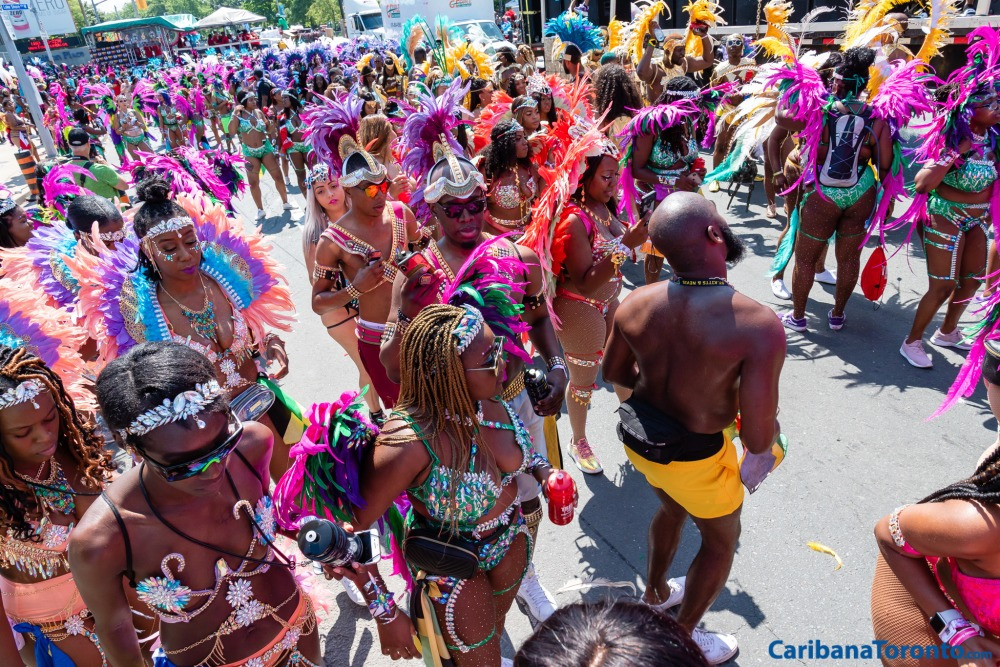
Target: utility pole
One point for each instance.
(31, 92)
(41, 31)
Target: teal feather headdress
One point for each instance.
(572, 28)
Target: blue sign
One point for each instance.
(14, 7)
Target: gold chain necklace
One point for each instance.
(592, 214)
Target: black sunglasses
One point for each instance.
(176, 472)
(454, 210)
(494, 357)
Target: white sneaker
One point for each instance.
(954, 339)
(780, 290)
(676, 587)
(506, 662)
(288, 206)
(826, 277)
(716, 646)
(915, 354)
(260, 214)
(353, 592)
(539, 601)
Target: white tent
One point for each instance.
(224, 16)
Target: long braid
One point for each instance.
(983, 485)
(433, 393)
(75, 433)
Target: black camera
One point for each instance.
(324, 541)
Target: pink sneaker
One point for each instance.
(953, 339)
(914, 353)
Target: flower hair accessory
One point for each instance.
(22, 393)
(456, 181)
(467, 328)
(169, 225)
(372, 171)
(320, 173)
(184, 405)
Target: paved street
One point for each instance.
(853, 410)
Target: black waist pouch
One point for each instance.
(660, 438)
(441, 554)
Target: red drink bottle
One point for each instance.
(562, 492)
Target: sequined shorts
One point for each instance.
(259, 152)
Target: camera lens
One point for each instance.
(326, 542)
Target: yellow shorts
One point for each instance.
(707, 489)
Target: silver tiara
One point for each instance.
(7, 204)
(169, 225)
(536, 84)
(184, 405)
(318, 174)
(513, 129)
(467, 328)
(113, 236)
(22, 393)
(526, 103)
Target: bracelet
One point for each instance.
(321, 272)
(270, 337)
(538, 461)
(402, 321)
(353, 292)
(383, 604)
(897, 533)
(556, 362)
(963, 631)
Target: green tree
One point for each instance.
(324, 11)
(266, 8)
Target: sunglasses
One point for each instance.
(454, 210)
(176, 472)
(494, 357)
(372, 190)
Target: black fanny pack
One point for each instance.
(439, 552)
(660, 438)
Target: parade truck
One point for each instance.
(386, 18)
(364, 17)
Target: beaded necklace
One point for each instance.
(201, 321)
(53, 492)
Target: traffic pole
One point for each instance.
(31, 92)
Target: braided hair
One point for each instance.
(500, 156)
(6, 238)
(76, 434)
(434, 394)
(157, 206)
(983, 486)
(615, 93)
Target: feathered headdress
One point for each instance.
(642, 26)
(328, 122)
(776, 42)
(41, 264)
(487, 282)
(572, 28)
(425, 124)
(60, 186)
(865, 16)
(700, 11)
(28, 322)
(412, 36)
(119, 303)
(324, 478)
(938, 34)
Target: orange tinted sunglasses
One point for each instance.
(375, 188)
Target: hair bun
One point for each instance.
(154, 190)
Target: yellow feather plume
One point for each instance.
(777, 13)
(365, 60)
(616, 34)
(865, 15)
(776, 47)
(942, 12)
(484, 65)
(643, 25)
(700, 11)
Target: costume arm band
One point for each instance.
(897, 533)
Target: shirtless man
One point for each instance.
(354, 260)
(675, 63)
(461, 212)
(715, 353)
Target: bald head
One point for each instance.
(690, 233)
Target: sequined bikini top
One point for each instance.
(663, 158)
(257, 126)
(43, 558)
(974, 175)
(169, 598)
(509, 196)
(477, 493)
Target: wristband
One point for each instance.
(402, 321)
(961, 632)
(556, 362)
(353, 292)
